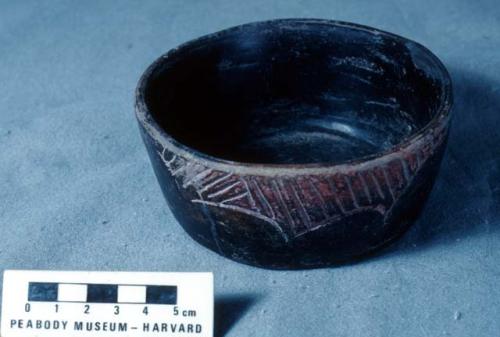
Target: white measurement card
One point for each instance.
(61, 303)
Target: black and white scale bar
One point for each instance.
(102, 293)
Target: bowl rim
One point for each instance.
(159, 135)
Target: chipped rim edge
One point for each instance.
(159, 135)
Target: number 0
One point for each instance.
(27, 307)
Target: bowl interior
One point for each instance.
(295, 92)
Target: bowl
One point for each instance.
(295, 143)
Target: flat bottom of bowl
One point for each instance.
(326, 139)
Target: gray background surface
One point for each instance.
(77, 190)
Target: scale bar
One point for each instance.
(101, 293)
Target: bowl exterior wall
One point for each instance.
(299, 219)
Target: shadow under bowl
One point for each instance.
(295, 143)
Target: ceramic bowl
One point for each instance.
(295, 143)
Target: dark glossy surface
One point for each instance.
(361, 114)
(295, 93)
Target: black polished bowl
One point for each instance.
(295, 143)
